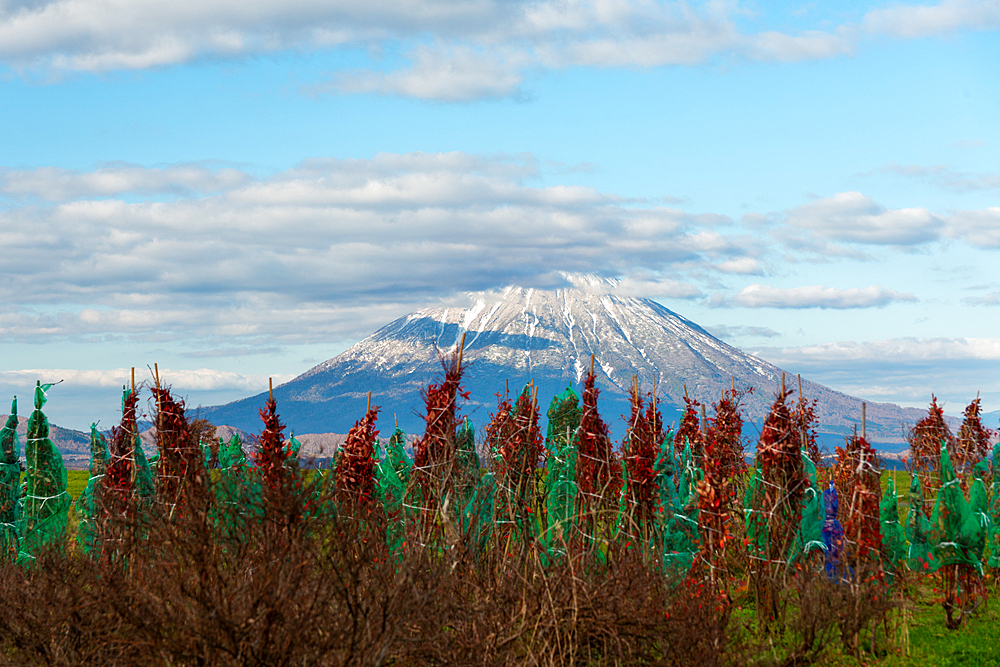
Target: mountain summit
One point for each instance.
(519, 335)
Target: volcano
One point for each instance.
(517, 335)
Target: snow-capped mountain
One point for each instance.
(519, 335)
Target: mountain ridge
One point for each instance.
(547, 336)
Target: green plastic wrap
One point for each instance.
(756, 523)
(237, 491)
(88, 507)
(994, 511)
(46, 506)
(979, 508)
(956, 528)
(11, 507)
(809, 538)
(681, 536)
(560, 471)
(920, 555)
(392, 479)
(894, 547)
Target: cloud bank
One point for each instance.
(445, 50)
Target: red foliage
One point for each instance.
(973, 442)
(598, 472)
(356, 468)
(805, 422)
(118, 483)
(521, 448)
(434, 453)
(181, 471)
(925, 447)
(271, 451)
(778, 451)
(857, 478)
(642, 445)
(723, 465)
(689, 431)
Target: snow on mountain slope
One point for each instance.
(548, 337)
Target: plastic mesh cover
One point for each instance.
(46, 505)
(956, 529)
(11, 507)
(894, 549)
(87, 504)
(920, 555)
(810, 535)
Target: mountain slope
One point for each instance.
(548, 337)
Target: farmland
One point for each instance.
(504, 547)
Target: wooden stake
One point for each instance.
(782, 384)
(685, 391)
(800, 387)
(864, 420)
(270, 389)
(591, 364)
(395, 419)
(369, 408)
(704, 422)
(133, 380)
(461, 350)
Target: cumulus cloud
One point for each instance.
(815, 296)
(855, 218)
(909, 21)
(202, 379)
(979, 228)
(451, 50)
(56, 184)
(327, 250)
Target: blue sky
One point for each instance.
(242, 190)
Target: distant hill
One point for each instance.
(519, 335)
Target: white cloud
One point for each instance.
(455, 50)
(979, 228)
(202, 379)
(289, 258)
(852, 217)
(815, 296)
(896, 349)
(55, 184)
(909, 21)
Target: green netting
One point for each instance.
(145, 487)
(392, 479)
(920, 555)
(236, 489)
(894, 550)
(680, 530)
(87, 504)
(809, 537)
(559, 484)
(755, 522)
(978, 506)
(46, 506)
(11, 507)
(956, 528)
(994, 511)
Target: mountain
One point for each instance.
(519, 335)
(73, 445)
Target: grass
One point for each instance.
(76, 482)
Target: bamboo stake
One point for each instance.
(369, 408)
(134, 434)
(591, 364)
(270, 389)
(461, 350)
(704, 422)
(864, 420)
